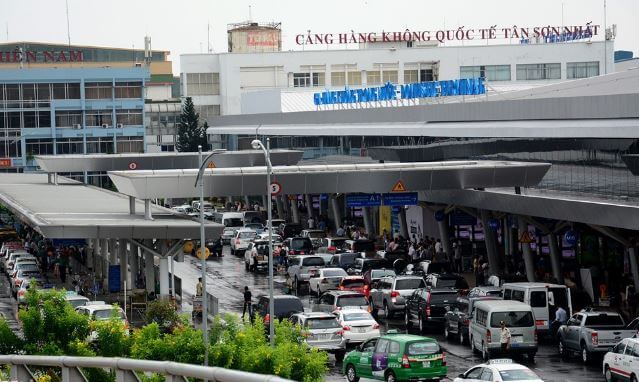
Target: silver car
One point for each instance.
(322, 331)
(390, 293)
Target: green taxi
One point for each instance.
(396, 357)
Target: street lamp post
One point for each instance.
(257, 144)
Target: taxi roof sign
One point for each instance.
(498, 361)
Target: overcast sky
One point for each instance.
(181, 26)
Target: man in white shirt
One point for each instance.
(438, 247)
(311, 222)
(504, 337)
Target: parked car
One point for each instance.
(316, 236)
(446, 280)
(482, 291)
(264, 236)
(354, 284)
(390, 293)
(13, 257)
(371, 276)
(485, 328)
(24, 271)
(325, 279)
(299, 246)
(257, 227)
(240, 242)
(428, 307)
(101, 311)
(323, 332)
(300, 269)
(361, 265)
(498, 370)
(543, 298)
(458, 317)
(337, 300)
(41, 284)
(290, 229)
(396, 357)
(365, 246)
(227, 234)
(76, 300)
(327, 257)
(358, 325)
(344, 260)
(284, 306)
(591, 332)
(621, 362)
(333, 245)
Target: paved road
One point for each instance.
(227, 278)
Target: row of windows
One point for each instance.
(531, 72)
(76, 145)
(46, 91)
(203, 83)
(354, 78)
(69, 118)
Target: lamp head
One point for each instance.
(256, 144)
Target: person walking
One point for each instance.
(311, 222)
(199, 288)
(504, 337)
(247, 302)
(457, 257)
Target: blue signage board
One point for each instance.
(323, 196)
(390, 91)
(69, 242)
(571, 237)
(494, 224)
(114, 278)
(363, 200)
(462, 218)
(400, 199)
(440, 215)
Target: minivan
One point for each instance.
(544, 299)
(485, 328)
(229, 219)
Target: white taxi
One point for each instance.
(498, 370)
(622, 362)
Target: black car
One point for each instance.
(285, 306)
(299, 246)
(290, 229)
(428, 307)
(361, 265)
(446, 280)
(343, 260)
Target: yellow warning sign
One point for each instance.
(210, 165)
(206, 251)
(526, 238)
(399, 187)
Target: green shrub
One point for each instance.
(112, 338)
(164, 313)
(10, 343)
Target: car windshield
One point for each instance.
(512, 319)
(299, 244)
(247, 235)
(316, 234)
(359, 316)
(604, 320)
(353, 283)
(287, 305)
(233, 222)
(313, 262)
(28, 268)
(352, 300)
(518, 375)
(409, 284)
(322, 323)
(422, 348)
(338, 243)
(334, 273)
(105, 314)
(77, 302)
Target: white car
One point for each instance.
(325, 279)
(240, 242)
(24, 287)
(101, 311)
(76, 299)
(498, 370)
(358, 325)
(622, 362)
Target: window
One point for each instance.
(202, 83)
(39, 146)
(354, 78)
(128, 90)
(393, 348)
(518, 295)
(352, 300)
(382, 345)
(373, 77)
(301, 80)
(426, 75)
(318, 79)
(538, 299)
(604, 320)
(97, 90)
(207, 112)
(532, 72)
(481, 317)
(518, 375)
(44, 92)
(68, 118)
(99, 118)
(508, 294)
(403, 284)
(338, 78)
(582, 69)
(423, 348)
(487, 375)
(475, 373)
(389, 76)
(512, 319)
(411, 76)
(129, 117)
(13, 92)
(488, 72)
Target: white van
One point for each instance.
(543, 299)
(229, 219)
(484, 328)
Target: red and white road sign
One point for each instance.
(276, 188)
(133, 166)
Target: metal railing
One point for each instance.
(125, 369)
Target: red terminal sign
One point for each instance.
(29, 56)
(444, 35)
(5, 162)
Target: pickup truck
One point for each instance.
(591, 332)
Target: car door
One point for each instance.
(486, 375)
(411, 301)
(379, 361)
(573, 326)
(616, 357)
(363, 366)
(474, 374)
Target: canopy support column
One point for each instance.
(525, 249)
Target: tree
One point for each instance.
(190, 133)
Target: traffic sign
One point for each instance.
(399, 187)
(570, 237)
(363, 200)
(526, 238)
(133, 166)
(276, 188)
(210, 165)
(401, 199)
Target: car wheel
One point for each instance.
(460, 333)
(485, 354)
(351, 374)
(339, 356)
(563, 352)
(422, 324)
(387, 312)
(407, 321)
(390, 377)
(608, 375)
(585, 354)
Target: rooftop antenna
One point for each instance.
(68, 28)
(250, 14)
(148, 54)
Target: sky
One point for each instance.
(181, 26)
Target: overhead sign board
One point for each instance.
(375, 200)
(400, 199)
(363, 200)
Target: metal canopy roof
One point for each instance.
(348, 178)
(73, 210)
(156, 161)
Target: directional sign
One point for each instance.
(133, 166)
(276, 188)
(399, 187)
(363, 200)
(401, 199)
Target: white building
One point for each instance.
(242, 83)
